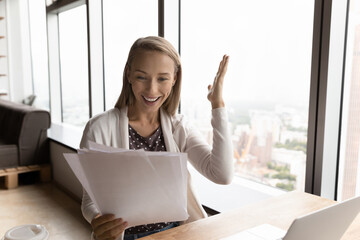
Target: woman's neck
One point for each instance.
(144, 123)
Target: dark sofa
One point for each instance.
(23, 135)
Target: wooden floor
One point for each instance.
(43, 204)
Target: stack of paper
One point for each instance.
(140, 187)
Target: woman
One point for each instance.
(145, 117)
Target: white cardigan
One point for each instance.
(111, 129)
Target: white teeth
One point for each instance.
(151, 99)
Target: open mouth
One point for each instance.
(150, 99)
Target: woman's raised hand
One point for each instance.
(215, 90)
(108, 227)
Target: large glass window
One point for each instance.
(124, 22)
(266, 88)
(349, 173)
(37, 19)
(74, 66)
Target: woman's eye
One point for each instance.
(163, 79)
(140, 78)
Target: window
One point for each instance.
(38, 40)
(74, 66)
(266, 89)
(124, 22)
(267, 86)
(171, 22)
(349, 172)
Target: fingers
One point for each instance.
(222, 68)
(99, 220)
(107, 227)
(219, 78)
(215, 90)
(114, 230)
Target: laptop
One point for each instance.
(329, 223)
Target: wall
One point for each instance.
(62, 174)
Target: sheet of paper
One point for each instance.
(158, 158)
(93, 146)
(140, 187)
(174, 164)
(168, 165)
(74, 163)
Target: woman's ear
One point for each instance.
(127, 72)
(175, 78)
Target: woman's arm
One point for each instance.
(88, 208)
(215, 163)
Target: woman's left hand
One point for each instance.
(215, 90)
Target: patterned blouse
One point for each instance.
(155, 143)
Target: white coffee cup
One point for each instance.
(27, 232)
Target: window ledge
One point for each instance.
(65, 134)
(223, 198)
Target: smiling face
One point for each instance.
(152, 76)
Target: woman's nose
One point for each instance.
(152, 85)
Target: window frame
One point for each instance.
(96, 97)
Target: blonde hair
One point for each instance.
(161, 45)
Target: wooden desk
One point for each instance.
(279, 211)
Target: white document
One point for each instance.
(93, 146)
(140, 187)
